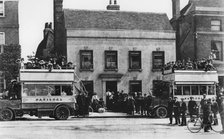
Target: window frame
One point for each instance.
(91, 61)
(221, 56)
(105, 59)
(130, 54)
(153, 58)
(213, 25)
(3, 8)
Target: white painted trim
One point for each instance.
(217, 15)
(73, 33)
(211, 32)
(210, 9)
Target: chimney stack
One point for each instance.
(176, 8)
(113, 6)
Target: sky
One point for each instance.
(33, 14)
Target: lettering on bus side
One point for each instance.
(48, 99)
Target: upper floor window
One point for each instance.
(1, 8)
(217, 50)
(134, 60)
(111, 60)
(86, 59)
(158, 60)
(216, 25)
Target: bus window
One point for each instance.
(186, 90)
(194, 90)
(178, 90)
(211, 90)
(203, 90)
(67, 89)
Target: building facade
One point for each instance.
(9, 28)
(200, 31)
(116, 50)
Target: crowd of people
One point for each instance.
(208, 107)
(50, 63)
(202, 64)
(132, 103)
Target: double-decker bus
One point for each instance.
(42, 93)
(183, 84)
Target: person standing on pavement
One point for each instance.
(206, 115)
(130, 104)
(203, 101)
(183, 110)
(176, 110)
(170, 110)
(192, 107)
(215, 110)
(220, 101)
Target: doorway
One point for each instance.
(111, 85)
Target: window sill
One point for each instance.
(111, 70)
(90, 70)
(140, 70)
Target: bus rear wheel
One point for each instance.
(6, 115)
(62, 113)
(161, 112)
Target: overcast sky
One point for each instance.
(34, 13)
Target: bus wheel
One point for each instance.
(6, 115)
(161, 112)
(62, 113)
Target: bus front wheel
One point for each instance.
(6, 115)
(62, 113)
(161, 112)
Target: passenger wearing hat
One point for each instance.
(183, 110)
(192, 107)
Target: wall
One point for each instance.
(123, 41)
(10, 23)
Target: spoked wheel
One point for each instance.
(6, 115)
(194, 125)
(161, 112)
(62, 113)
(216, 124)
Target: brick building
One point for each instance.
(9, 27)
(200, 30)
(118, 50)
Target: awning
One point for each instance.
(110, 75)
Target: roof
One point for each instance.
(89, 19)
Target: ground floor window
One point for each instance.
(135, 86)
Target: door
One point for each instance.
(111, 85)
